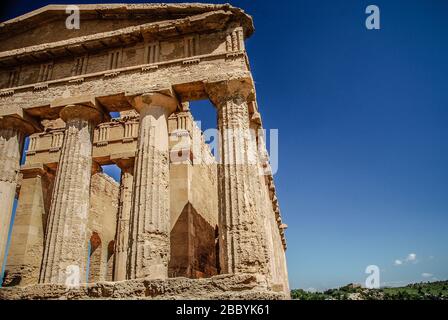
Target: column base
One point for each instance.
(221, 287)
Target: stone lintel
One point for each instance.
(114, 98)
(85, 100)
(16, 117)
(33, 170)
(123, 160)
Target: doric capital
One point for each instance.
(79, 107)
(160, 99)
(15, 117)
(235, 87)
(79, 111)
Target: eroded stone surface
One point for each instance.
(241, 286)
(10, 146)
(178, 211)
(66, 234)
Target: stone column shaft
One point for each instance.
(66, 237)
(10, 153)
(124, 214)
(242, 240)
(150, 234)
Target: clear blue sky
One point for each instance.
(363, 129)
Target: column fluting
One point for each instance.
(65, 253)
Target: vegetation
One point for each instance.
(417, 291)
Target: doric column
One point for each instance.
(124, 215)
(14, 126)
(66, 239)
(242, 240)
(150, 221)
(27, 238)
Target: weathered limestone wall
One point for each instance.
(179, 212)
(180, 255)
(27, 239)
(193, 238)
(204, 199)
(205, 179)
(10, 153)
(104, 192)
(188, 184)
(194, 201)
(123, 221)
(204, 260)
(279, 273)
(277, 269)
(222, 287)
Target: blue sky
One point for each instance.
(363, 130)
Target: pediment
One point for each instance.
(47, 24)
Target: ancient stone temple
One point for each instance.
(182, 222)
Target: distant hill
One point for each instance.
(437, 290)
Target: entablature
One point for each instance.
(48, 24)
(188, 83)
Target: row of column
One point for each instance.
(143, 230)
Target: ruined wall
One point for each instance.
(27, 239)
(194, 202)
(204, 199)
(102, 224)
(274, 230)
(279, 273)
